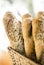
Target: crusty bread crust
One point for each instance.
(27, 35)
(19, 59)
(14, 31)
(38, 33)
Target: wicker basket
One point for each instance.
(18, 59)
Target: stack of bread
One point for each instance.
(26, 38)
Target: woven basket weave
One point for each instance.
(19, 59)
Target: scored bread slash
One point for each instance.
(38, 35)
(14, 31)
(18, 59)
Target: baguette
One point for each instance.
(14, 31)
(38, 34)
(18, 59)
(27, 35)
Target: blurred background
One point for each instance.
(19, 7)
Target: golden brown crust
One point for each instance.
(40, 16)
(26, 30)
(38, 28)
(26, 16)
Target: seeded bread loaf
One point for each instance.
(14, 31)
(38, 34)
(18, 59)
(19, 37)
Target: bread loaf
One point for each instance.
(14, 31)
(38, 34)
(19, 59)
(27, 35)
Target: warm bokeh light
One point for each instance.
(5, 58)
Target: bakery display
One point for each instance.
(26, 38)
(38, 35)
